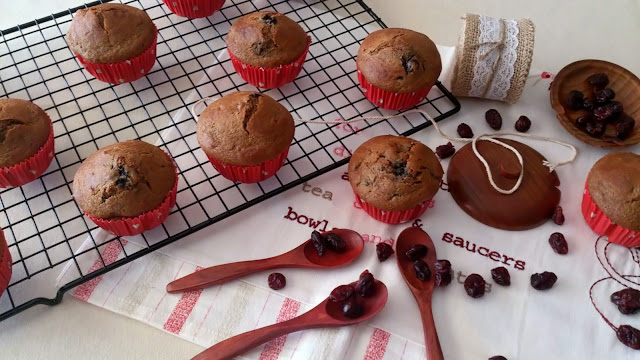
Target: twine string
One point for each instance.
(483, 137)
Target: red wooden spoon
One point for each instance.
(326, 314)
(422, 290)
(304, 256)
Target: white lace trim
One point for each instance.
(488, 53)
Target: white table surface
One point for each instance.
(565, 31)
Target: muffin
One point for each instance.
(194, 9)
(393, 177)
(126, 188)
(267, 48)
(397, 67)
(116, 43)
(609, 203)
(5, 263)
(246, 135)
(26, 142)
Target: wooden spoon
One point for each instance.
(422, 290)
(303, 256)
(326, 314)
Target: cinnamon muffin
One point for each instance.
(5, 263)
(124, 180)
(110, 33)
(394, 173)
(24, 129)
(266, 39)
(245, 129)
(614, 187)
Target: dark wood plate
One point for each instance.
(573, 77)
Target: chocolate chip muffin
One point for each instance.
(110, 33)
(394, 173)
(399, 60)
(123, 180)
(245, 128)
(24, 129)
(266, 39)
(614, 186)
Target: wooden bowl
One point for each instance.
(622, 81)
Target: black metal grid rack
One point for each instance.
(45, 229)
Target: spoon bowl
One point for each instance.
(422, 290)
(303, 256)
(326, 314)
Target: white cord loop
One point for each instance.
(483, 137)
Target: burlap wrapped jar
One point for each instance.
(493, 58)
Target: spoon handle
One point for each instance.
(220, 274)
(431, 342)
(232, 347)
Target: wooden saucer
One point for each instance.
(530, 206)
(574, 77)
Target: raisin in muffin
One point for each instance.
(24, 129)
(399, 60)
(266, 39)
(610, 203)
(110, 33)
(394, 173)
(124, 180)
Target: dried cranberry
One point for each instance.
(616, 107)
(335, 243)
(318, 242)
(588, 104)
(416, 252)
(384, 251)
(523, 124)
(628, 300)
(444, 151)
(558, 216)
(501, 276)
(465, 131)
(277, 281)
(595, 129)
(543, 281)
(558, 243)
(575, 99)
(604, 95)
(341, 293)
(443, 279)
(624, 126)
(474, 285)
(352, 307)
(422, 270)
(583, 120)
(366, 286)
(603, 112)
(494, 119)
(599, 80)
(629, 336)
(499, 357)
(442, 266)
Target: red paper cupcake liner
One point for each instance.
(388, 100)
(125, 71)
(5, 264)
(31, 168)
(147, 221)
(250, 174)
(270, 78)
(603, 226)
(392, 217)
(194, 9)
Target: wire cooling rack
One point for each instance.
(46, 231)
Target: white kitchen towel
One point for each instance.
(518, 322)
